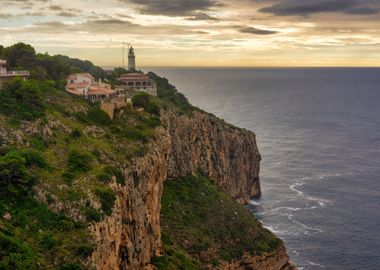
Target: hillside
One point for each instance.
(79, 191)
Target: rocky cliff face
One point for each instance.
(277, 260)
(131, 235)
(226, 154)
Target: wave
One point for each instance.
(307, 228)
(315, 264)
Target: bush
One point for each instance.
(79, 161)
(15, 255)
(107, 199)
(135, 134)
(83, 250)
(15, 179)
(140, 100)
(92, 215)
(48, 241)
(144, 100)
(34, 158)
(109, 172)
(75, 133)
(22, 100)
(98, 116)
(71, 267)
(153, 108)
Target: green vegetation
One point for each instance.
(110, 171)
(107, 199)
(78, 162)
(61, 153)
(169, 93)
(32, 236)
(22, 100)
(44, 66)
(145, 101)
(15, 179)
(229, 231)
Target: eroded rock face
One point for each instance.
(277, 260)
(131, 236)
(228, 155)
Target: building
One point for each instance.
(131, 59)
(84, 84)
(8, 75)
(139, 82)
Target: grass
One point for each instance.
(204, 224)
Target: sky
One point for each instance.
(200, 32)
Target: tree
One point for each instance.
(20, 55)
(22, 100)
(14, 176)
(140, 100)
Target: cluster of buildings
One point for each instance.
(6, 75)
(83, 84)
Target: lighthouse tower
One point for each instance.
(131, 59)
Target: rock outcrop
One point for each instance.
(130, 237)
(277, 260)
(228, 155)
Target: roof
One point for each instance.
(134, 77)
(77, 85)
(96, 90)
(75, 76)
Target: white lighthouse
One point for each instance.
(131, 59)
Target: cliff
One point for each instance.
(79, 191)
(131, 236)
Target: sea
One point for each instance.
(318, 131)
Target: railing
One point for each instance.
(19, 72)
(15, 73)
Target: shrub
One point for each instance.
(135, 134)
(15, 255)
(48, 241)
(153, 108)
(144, 100)
(107, 199)
(22, 100)
(140, 100)
(109, 172)
(79, 161)
(98, 116)
(71, 267)
(33, 157)
(75, 133)
(92, 215)
(83, 250)
(14, 176)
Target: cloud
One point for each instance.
(200, 16)
(66, 14)
(306, 8)
(173, 7)
(55, 7)
(256, 31)
(5, 16)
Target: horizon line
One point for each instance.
(242, 67)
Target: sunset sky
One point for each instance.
(200, 32)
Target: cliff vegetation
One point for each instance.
(79, 191)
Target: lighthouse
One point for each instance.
(131, 59)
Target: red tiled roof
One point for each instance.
(95, 90)
(77, 85)
(134, 77)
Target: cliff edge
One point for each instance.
(157, 188)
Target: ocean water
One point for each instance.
(318, 131)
